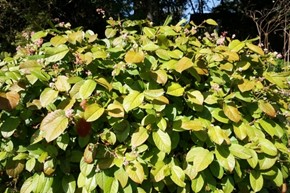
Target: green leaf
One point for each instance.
(111, 185)
(236, 45)
(134, 57)
(38, 35)
(225, 158)
(175, 89)
(218, 135)
(253, 161)
(246, 85)
(163, 54)
(267, 147)
(256, 180)
(86, 168)
(159, 171)
(193, 125)
(183, 64)
(133, 100)
(266, 162)
(255, 48)
(135, 171)
(115, 110)
(58, 40)
(267, 108)
(54, 125)
(219, 115)
(278, 179)
(177, 54)
(197, 183)
(232, 112)
(240, 130)
(153, 93)
(110, 32)
(62, 84)
(9, 126)
(195, 96)
(93, 112)
(121, 176)
(139, 137)
(149, 32)
(211, 22)
(87, 88)
(240, 151)
(54, 54)
(76, 36)
(48, 96)
(27, 186)
(162, 140)
(200, 157)
(30, 164)
(177, 176)
(150, 46)
(68, 184)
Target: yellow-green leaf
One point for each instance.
(134, 57)
(48, 96)
(115, 110)
(62, 84)
(246, 85)
(175, 89)
(58, 40)
(93, 112)
(54, 125)
(267, 147)
(240, 151)
(87, 88)
(139, 136)
(232, 112)
(200, 157)
(162, 140)
(110, 32)
(195, 96)
(225, 158)
(255, 48)
(256, 180)
(211, 22)
(183, 64)
(236, 45)
(163, 54)
(178, 176)
(267, 108)
(135, 171)
(133, 100)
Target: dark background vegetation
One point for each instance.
(32, 15)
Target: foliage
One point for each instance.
(146, 109)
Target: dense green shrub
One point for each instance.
(148, 109)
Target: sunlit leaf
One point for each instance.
(255, 48)
(175, 89)
(134, 57)
(54, 54)
(162, 140)
(48, 96)
(183, 64)
(232, 112)
(135, 172)
(256, 180)
(211, 22)
(267, 108)
(93, 112)
(177, 176)
(54, 125)
(133, 100)
(139, 136)
(87, 88)
(200, 157)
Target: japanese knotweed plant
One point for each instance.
(147, 109)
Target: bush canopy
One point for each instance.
(169, 108)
